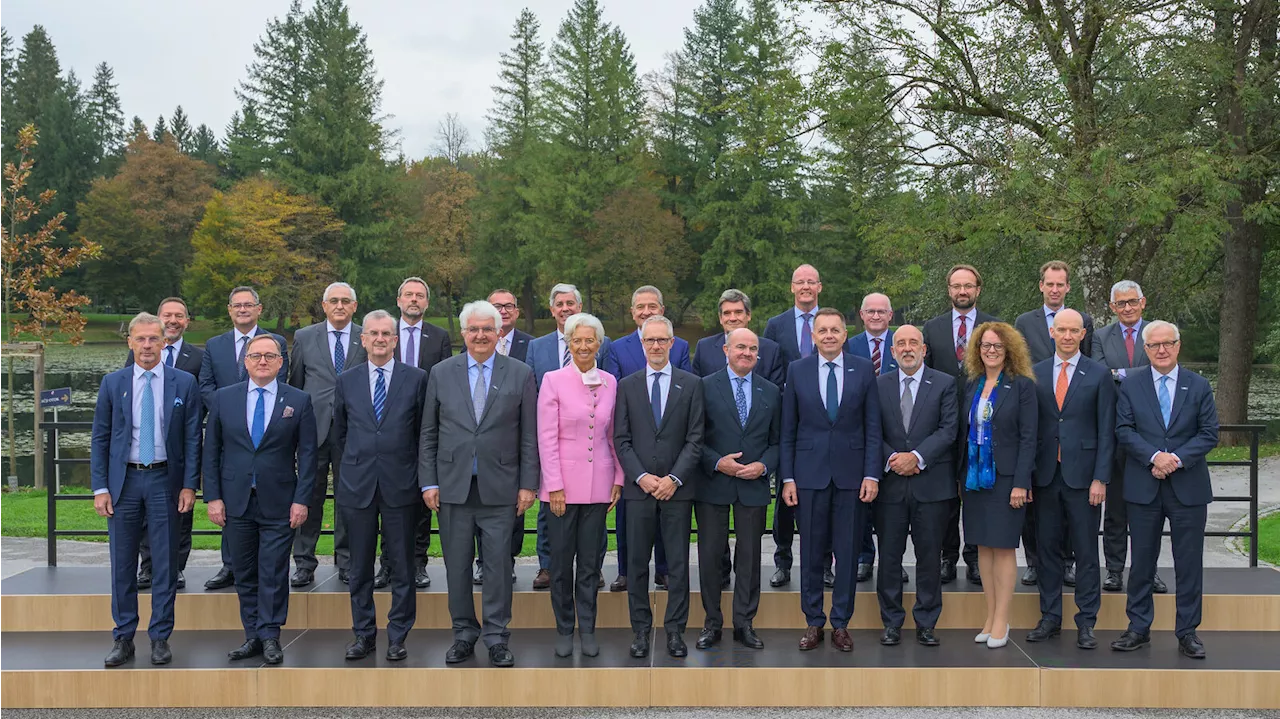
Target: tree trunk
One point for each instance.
(1238, 313)
(530, 304)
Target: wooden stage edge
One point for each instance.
(641, 687)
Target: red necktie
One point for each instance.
(1128, 343)
(1060, 394)
(875, 354)
(961, 340)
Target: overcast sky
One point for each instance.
(435, 57)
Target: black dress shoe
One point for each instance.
(302, 577)
(1085, 638)
(1031, 577)
(501, 656)
(1044, 631)
(619, 584)
(1158, 586)
(182, 580)
(121, 652)
(864, 571)
(1131, 641)
(250, 648)
(1190, 646)
(272, 653)
(676, 646)
(360, 648)
(144, 579)
(382, 578)
(396, 652)
(948, 571)
(222, 579)
(660, 581)
(828, 578)
(892, 636)
(459, 652)
(477, 575)
(926, 637)
(781, 577)
(343, 576)
(1069, 575)
(160, 653)
(640, 645)
(973, 574)
(747, 637)
(706, 639)
(421, 579)
(1114, 582)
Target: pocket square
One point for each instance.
(177, 401)
(288, 412)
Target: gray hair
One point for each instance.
(377, 315)
(562, 288)
(265, 335)
(244, 288)
(729, 295)
(144, 318)
(335, 285)
(583, 319)
(647, 288)
(671, 330)
(482, 309)
(1125, 286)
(1154, 325)
(876, 295)
(407, 280)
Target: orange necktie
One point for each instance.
(1060, 393)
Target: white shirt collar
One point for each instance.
(903, 374)
(822, 361)
(1073, 360)
(650, 371)
(330, 329)
(177, 350)
(241, 335)
(970, 314)
(386, 368)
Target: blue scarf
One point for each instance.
(982, 461)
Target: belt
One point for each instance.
(153, 465)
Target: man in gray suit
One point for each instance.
(320, 353)
(1118, 347)
(478, 466)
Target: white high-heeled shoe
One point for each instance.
(993, 643)
(981, 638)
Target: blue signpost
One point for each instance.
(54, 399)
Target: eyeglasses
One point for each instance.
(656, 341)
(1162, 345)
(876, 313)
(505, 307)
(966, 288)
(243, 305)
(991, 347)
(340, 301)
(806, 283)
(375, 334)
(480, 330)
(259, 356)
(1123, 304)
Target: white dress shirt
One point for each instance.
(157, 393)
(404, 342)
(561, 346)
(177, 352)
(884, 345)
(387, 369)
(914, 389)
(970, 316)
(1072, 362)
(823, 371)
(268, 403)
(664, 390)
(344, 335)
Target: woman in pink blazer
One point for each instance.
(581, 478)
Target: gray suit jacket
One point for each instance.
(311, 369)
(1034, 326)
(1109, 350)
(505, 441)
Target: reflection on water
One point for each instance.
(82, 369)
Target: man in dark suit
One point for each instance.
(830, 437)
(259, 468)
(918, 421)
(1118, 346)
(945, 338)
(184, 356)
(377, 420)
(423, 345)
(1167, 423)
(741, 439)
(657, 430)
(478, 467)
(1036, 326)
(735, 313)
(1077, 410)
(321, 352)
(223, 365)
(144, 462)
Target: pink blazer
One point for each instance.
(575, 437)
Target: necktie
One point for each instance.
(1128, 343)
(1060, 394)
(875, 355)
(147, 422)
(1050, 318)
(242, 372)
(379, 393)
(740, 397)
(479, 393)
(655, 399)
(1166, 401)
(564, 359)
(168, 360)
(806, 336)
(411, 348)
(833, 393)
(908, 403)
(259, 427)
(339, 352)
(962, 340)
(502, 345)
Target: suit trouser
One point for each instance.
(661, 566)
(185, 522)
(1115, 518)
(926, 523)
(146, 493)
(517, 541)
(575, 536)
(308, 535)
(829, 517)
(458, 525)
(867, 545)
(398, 525)
(784, 532)
(951, 540)
(260, 561)
(1031, 540)
(713, 545)
(1054, 503)
(672, 521)
(1186, 530)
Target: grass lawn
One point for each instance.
(1238, 454)
(1268, 539)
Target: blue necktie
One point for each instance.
(379, 395)
(833, 393)
(806, 336)
(259, 417)
(339, 353)
(147, 422)
(1166, 402)
(655, 399)
(241, 371)
(168, 360)
(741, 398)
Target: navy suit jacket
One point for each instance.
(189, 360)
(1192, 434)
(542, 356)
(939, 338)
(760, 441)
(1013, 429)
(934, 419)
(218, 367)
(1085, 427)
(626, 356)
(113, 430)
(782, 329)
(857, 345)
(709, 358)
(519, 345)
(284, 464)
(1034, 326)
(375, 455)
(817, 452)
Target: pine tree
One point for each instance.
(247, 148)
(204, 146)
(36, 79)
(105, 114)
(159, 130)
(275, 82)
(137, 127)
(180, 128)
(8, 74)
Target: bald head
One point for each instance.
(908, 348)
(806, 285)
(741, 351)
(1067, 333)
(876, 311)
